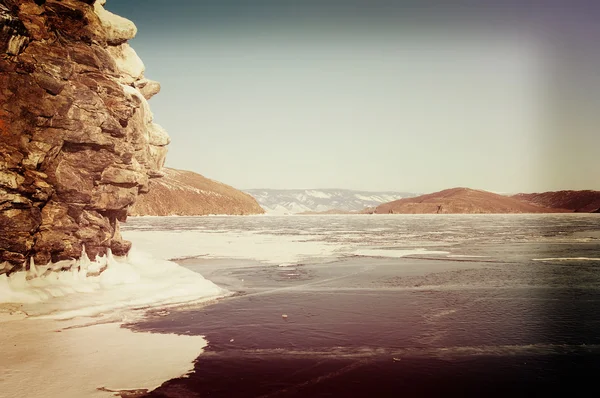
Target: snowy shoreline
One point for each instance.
(50, 358)
(64, 335)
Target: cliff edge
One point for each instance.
(77, 140)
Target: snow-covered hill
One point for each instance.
(291, 201)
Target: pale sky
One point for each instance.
(380, 97)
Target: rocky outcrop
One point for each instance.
(185, 193)
(77, 141)
(460, 200)
(576, 201)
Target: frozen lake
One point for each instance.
(385, 305)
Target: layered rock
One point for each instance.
(185, 193)
(460, 201)
(77, 140)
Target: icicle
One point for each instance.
(97, 266)
(84, 260)
(5, 267)
(33, 271)
(110, 259)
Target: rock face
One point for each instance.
(185, 193)
(460, 200)
(577, 201)
(77, 141)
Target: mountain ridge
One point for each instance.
(295, 201)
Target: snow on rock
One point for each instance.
(117, 28)
(148, 88)
(157, 135)
(129, 64)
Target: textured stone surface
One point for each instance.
(77, 140)
(186, 193)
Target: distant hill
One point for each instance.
(577, 201)
(293, 201)
(186, 193)
(460, 200)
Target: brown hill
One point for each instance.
(461, 200)
(577, 201)
(186, 193)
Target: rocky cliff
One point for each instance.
(577, 201)
(460, 200)
(77, 140)
(185, 193)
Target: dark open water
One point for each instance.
(501, 324)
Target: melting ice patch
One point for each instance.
(465, 256)
(395, 252)
(266, 248)
(567, 259)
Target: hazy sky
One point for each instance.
(408, 96)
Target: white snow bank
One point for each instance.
(38, 362)
(135, 281)
(94, 360)
(395, 253)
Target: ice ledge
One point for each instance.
(109, 283)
